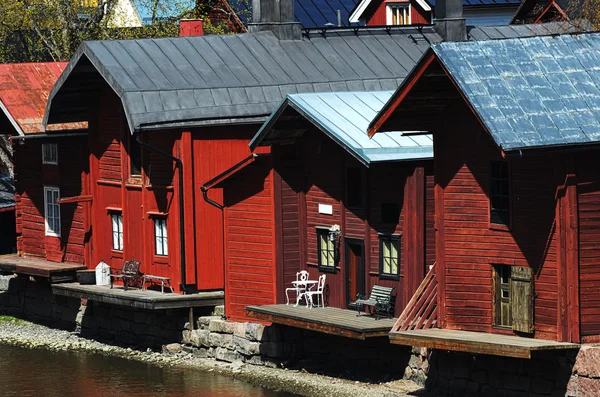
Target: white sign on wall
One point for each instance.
(326, 209)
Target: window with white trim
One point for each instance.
(117, 230)
(49, 153)
(52, 211)
(398, 14)
(160, 237)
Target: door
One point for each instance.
(355, 269)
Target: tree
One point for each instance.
(51, 30)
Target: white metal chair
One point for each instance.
(318, 292)
(301, 276)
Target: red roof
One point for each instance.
(24, 90)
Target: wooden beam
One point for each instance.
(75, 199)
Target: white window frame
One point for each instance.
(116, 220)
(407, 12)
(161, 243)
(55, 219)
(53, 150)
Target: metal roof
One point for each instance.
(479, 33)
(7, 191)
(24, 89)
(230, 78)
(531, 92)
(310, 13)
(344, 117)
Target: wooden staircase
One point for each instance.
(421, 311)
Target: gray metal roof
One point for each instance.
(532, 92)
(478, 33)
(344, 117)
(229, 78)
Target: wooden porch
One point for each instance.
(329, 320)
(476, 342)
(137, 298)
(55, 272)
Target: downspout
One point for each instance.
(178, 164)
(210, 201)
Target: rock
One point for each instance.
(220, 340)
(245, 346)
(239, 329)
(258, 360)
(200, 353)
(219, 310)
(221, 326)
(254, 331)
(199, 337)
(227, 355)
(408, 373)
(171, 348)
(572, 386)
(188, 349)
(186, 337)
(588, 387)
(587, 362)
(204, 321)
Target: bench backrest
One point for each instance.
(131, 267)
(382, 293)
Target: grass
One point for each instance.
(11, 320)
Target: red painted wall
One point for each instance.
(302, 184)
(30, 178)
(376, 13)
(468, 246)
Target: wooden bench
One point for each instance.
(380, 298)
(130, 274)
(163, 281)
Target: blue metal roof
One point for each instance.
(310, 13)
(531, 92)
(344, 117)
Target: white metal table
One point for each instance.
(303, 285)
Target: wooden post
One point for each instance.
(186, 156)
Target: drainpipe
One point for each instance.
(179, 165)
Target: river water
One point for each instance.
(35, 372)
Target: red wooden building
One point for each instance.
(47, 165)
(515, 135)
(380, 192)
(170, 118)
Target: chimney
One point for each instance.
(276, 16)
(191, 27)
(449, 20)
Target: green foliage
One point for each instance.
(51, 30)
(10, 320)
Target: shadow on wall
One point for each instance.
(461, 374)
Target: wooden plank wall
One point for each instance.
(470, 246)
(376, 14)
(30, 177)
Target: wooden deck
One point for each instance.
(54, 271)
(149, 300)
(329, 320)
(476, 342)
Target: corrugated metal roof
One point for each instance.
(344, 117)
(24, 89)
(531, 92)
(479, 33)
(7, 191)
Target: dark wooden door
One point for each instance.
(355, 269)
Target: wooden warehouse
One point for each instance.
(47, 164)
(380, 192)
(169, 117)
(517, 195)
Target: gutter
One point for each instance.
(179, 165)
(51, 135)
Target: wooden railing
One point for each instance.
(421, 311)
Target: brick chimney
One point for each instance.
(191, 27)
(449, 20)
(276, 16)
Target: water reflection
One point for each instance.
(25, 372)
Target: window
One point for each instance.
(499, 193)
(135, 157)
(52, 211)
(390, 212)
(117, 231)
(513, 300)
(389, 257)
(49, 153)
(503, 306)
(398, 14)
(160, 237)
(326, 250)
(353, 188)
